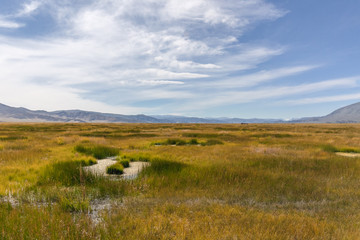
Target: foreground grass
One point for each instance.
(254, 182)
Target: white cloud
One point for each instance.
(28, 8)
(155, 49)
(237, 97)
(324, 99)
(4, 23)
(262, 76)
(50, 98)
(11, 20)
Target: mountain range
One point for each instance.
(348, 114)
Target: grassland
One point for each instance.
(256, 181)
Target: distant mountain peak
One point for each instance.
(347, 114)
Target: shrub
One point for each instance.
(116, 169)
(97, 151)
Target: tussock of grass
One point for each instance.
(180, 142)
(331, 148)
(66, 173)
(116, 169)
(163, 167)
(69, 205)
(201, 135)
(87, 161)
(123, 160)
(177, 142)
(273, 135)
(137, 157)
(97, 151)
(349, 150)
(193, 142)
(212, 142)
(12, 138)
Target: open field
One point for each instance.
(256, 181)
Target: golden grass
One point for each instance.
(267, 181)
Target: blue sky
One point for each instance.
(207, 58)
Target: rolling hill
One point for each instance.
(348, 114)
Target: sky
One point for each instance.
(206, 58)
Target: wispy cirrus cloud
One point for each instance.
(142, 46)
(262, 76)
(324, 99)
(247, 96)
(5, 23)
(11, 20)
(28, 8)
(124, 54)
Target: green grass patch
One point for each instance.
(87, 161)
(97, 151)
(180, 142)
(116, 169)
(177, 142)
(272, 135)
(123, 161)
(333, 149)
(70, 205)
(212, 142)
(348, 150)
(201, 135)
(68, 173)
(163, 167)
(137, 157)
(12, 138)
(329, 148)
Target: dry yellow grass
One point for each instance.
(267, 181)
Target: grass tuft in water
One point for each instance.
(116, 169)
